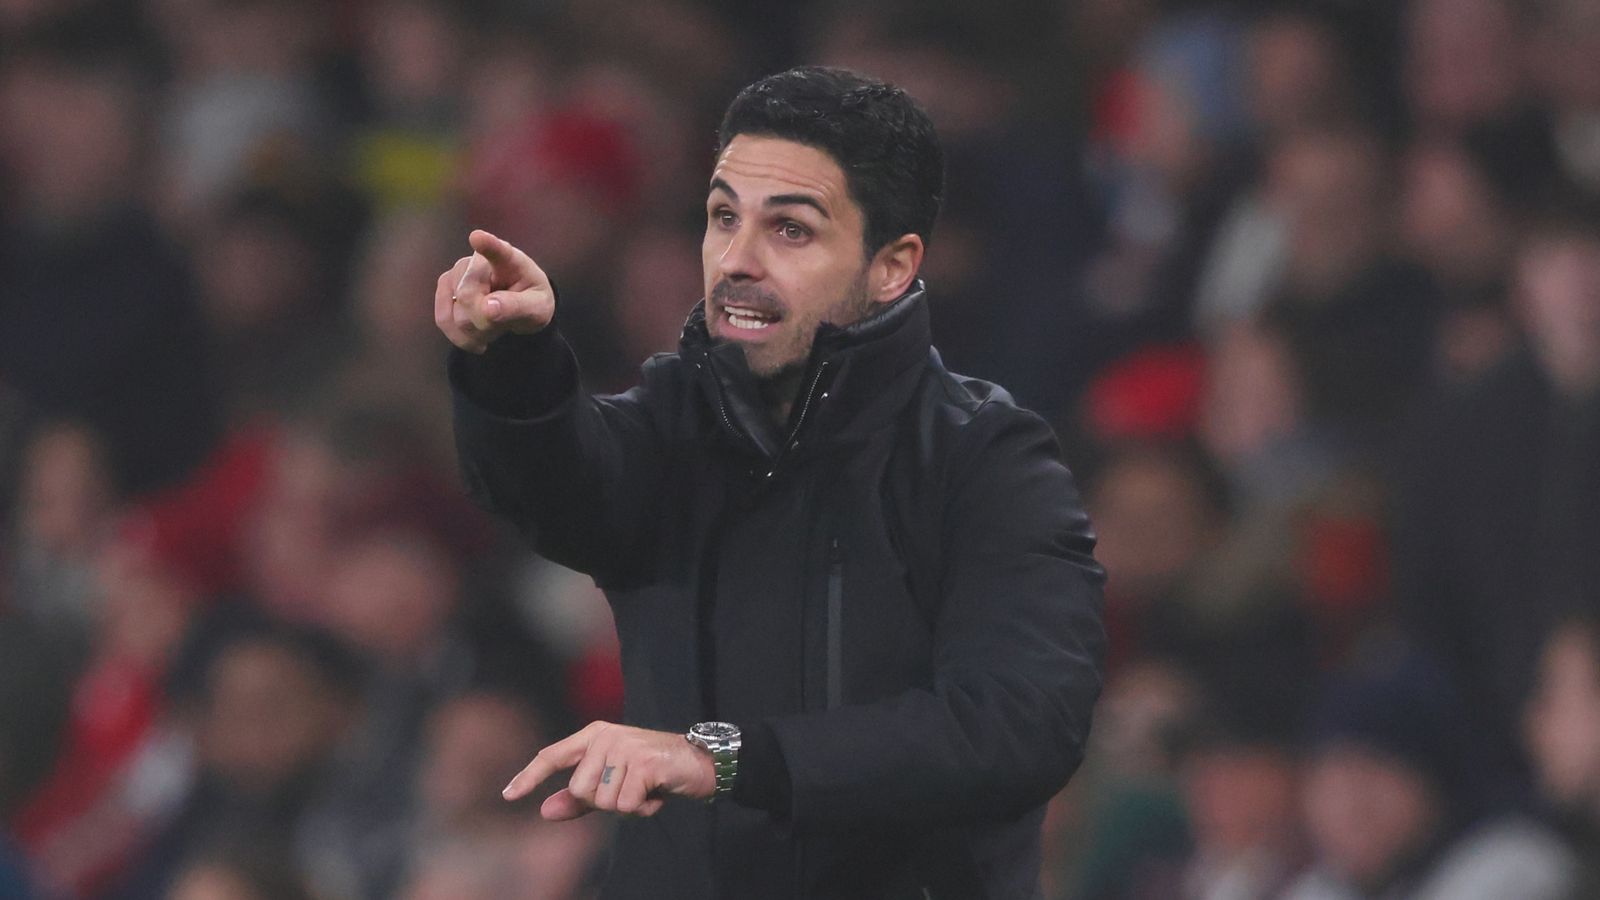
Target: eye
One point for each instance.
(724, 217)
(793, 231)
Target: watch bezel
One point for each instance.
(715, 731)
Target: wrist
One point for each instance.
(718, 744)
(703, 783)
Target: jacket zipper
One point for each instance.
(835, 651)
(831, 664)
(805, 407)
(791, 442)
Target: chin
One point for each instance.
(768, 363)
(768, 366)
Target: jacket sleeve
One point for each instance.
(575, 473)
(1019, 649)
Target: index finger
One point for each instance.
(509, 266)
(563, 754)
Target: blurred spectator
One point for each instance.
(1359, 323)
(1152, 394)
(466, 841)
(1464, 63)
(1014, 234)
(657, 282)
(1562, 732)
(122, 761)
(264, 517)
(1389, 803)
(270, 707)
(394, 361)
(272, 323)
(244, 106)
(1300, 74)
(413, 53)
(96, 320)
(1119, 830)
(242, 874)
(1157, 512)
(1565, 59)
(1254, 422)
(63, 517)
(1172, 170)
(474, 743)
(1298, 81)
(1239, 792)
(1457, 221)
(1500, 500)
(553, 866)
(563, 180)
(572, 615)
(392, 596)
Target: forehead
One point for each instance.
(757, 167)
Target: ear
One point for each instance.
(894, 267)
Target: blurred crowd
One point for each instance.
(1311, 291)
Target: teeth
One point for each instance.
(747, 322)
(740, 317)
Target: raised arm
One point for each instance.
(575, 473)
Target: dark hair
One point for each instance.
(333, 662)
(878, 135)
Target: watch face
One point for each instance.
(716, 731)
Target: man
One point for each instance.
(864, 584)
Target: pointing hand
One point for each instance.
(495, 290)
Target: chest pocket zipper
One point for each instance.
(835, 651)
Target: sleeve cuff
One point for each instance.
(763, 780)
(520, 376)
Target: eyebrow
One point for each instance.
(776, 199)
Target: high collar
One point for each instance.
(856, 377)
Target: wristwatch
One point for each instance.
(721, 740)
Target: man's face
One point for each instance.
(782, 251)
(1365, 811)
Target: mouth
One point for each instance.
(745, 318)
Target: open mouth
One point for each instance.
(747, 319)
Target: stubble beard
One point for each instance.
(782, 364)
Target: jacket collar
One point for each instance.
(855, 379)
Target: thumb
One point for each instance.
(523, 311)
(562, 806)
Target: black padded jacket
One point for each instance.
(894, 596)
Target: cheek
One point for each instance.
(710, 253)
(815, 280)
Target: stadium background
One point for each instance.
(1310, 290)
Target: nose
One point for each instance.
(741, 259)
